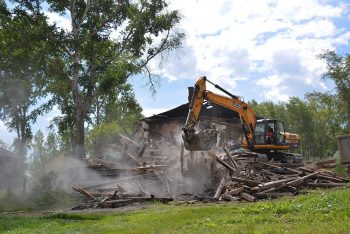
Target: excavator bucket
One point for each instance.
(201, 141)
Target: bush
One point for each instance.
(47, 194)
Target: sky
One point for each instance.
(262, 50)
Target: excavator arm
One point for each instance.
(194, 141)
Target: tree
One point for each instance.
(327, 121)
(338, 70)
(39, 154)
(114, 115)
(109, 41)
(42, 149)
(23, 49)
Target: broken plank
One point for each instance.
(292, 183)
(219, 189)
(248, 197)
(226, 165)
(232, 160)
(84, 192)
(278, 167)
(236, 191)
(271, 184)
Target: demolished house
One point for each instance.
(158, 142)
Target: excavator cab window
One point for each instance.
(259, 133)
(280, 133)
(269, 132)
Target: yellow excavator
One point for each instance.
(261, 135)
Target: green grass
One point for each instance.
(319, 212)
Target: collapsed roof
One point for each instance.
(208, 111)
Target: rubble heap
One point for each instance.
(249, 176)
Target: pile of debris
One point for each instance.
(113, 198)
(241, 176)
(250, 177)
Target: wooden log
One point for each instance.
(228, 197)
(84, 192)
(281, 168)
(248, 197)
(251, 183)
(291, 165)
(323, 176)
(306, 169)
(331, 173)
(143, 199)
(221, 162)
(232, 160)
(114, 181)
(148, 167)
(134, 159)
(271, 184)
(126, 140)
(292, 183)
(115, 203)
(220, 188)
(236, 191)
(244, 181)
(142, 151)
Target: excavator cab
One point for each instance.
(269, 132)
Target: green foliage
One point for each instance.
(92, 68)
(319, 212)
(47, 194)
(102, 135)
(13, 202)
(24, 50)
(338, 70)
(118, 114)
(72, 216)
(84, 67)
(42, 150)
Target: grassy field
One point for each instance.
(319, 212)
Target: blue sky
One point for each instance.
(264, 50)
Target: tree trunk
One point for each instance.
(97, 112)
(22, 141)
(79, 146)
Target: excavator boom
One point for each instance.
(193, 141)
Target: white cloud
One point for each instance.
(257, 40)
(272, 88)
